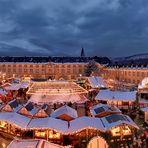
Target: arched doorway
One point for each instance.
(97, 142)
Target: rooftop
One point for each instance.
(55, 88)
(116, 95)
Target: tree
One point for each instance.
(90, 68)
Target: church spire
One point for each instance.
(82, 52)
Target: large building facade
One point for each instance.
(49, 70)
(132, 75)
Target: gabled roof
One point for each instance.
(85, 122)
(102, 124)
(96, 82)
(100, 108)
(42, 99)
(49, 122)
(65, 110)
(116, 120)
(116, 95)
(14, 118)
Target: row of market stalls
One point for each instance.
(63, 124)
(143, 98)
(34, 143)
(120, 95)
(122, 99)
(11, 88)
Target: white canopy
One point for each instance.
(96, 82)
(41, 99)
(64, 110)
(17, 86)
(116, 120)
(116, 95)
(102, 124)
(14, 118)
(103, 108)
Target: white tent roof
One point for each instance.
(102, 124)
(49, 122)
(15, 118)
(17, 86)
(96, 82)
(64, 110)
(85, 122)
(32, 143)
(116, 120)
(116, 95)
(42, 99)
(104, 108)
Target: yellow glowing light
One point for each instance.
(3, 145)
(2, 124)
(40, 133)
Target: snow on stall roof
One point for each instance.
(13, 87)
(80, 123)
(96, 82)
(116, 95)
(56, 88)
(106, 108)
(145, 109)
(15, 118)
(84, 122)
(50, 123)
(116, 120)
(41, 99)
(17, 86)
(32, 143)
(64, 110)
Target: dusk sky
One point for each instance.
(111, 28)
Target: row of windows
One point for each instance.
(130, 73)
(37, 65)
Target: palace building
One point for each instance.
(46, 67)
(132, 75)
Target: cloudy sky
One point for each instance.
(111, 28)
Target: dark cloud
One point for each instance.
(103, 27)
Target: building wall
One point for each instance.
(42, 70)
(130, 75)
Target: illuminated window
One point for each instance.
(53, 135)
(40, 133)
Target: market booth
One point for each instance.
(82, 129)
(56, 92)
(122, 99)
(143, 93)
(101, 110)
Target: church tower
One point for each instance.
(82, 52)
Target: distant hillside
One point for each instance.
(133, 57)
(138, 59)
